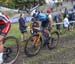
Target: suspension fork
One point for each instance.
(37, 39)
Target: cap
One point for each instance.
(67, 15)
(49, 11)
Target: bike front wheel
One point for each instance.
(33, 45)
(11, 50)
(54, 39)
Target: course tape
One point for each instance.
(63, 22)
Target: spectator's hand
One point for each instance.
(50, 28)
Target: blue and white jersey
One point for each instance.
(42, 17)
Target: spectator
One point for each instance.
(71, 18)
(22, 27)
(66, 22)
(65, 12)
(58, 20)
(74, 6)
(72, 1)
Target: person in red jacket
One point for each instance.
(4, 28)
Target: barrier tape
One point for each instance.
(63, 22)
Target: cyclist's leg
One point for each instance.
(47, 29)
(43, 36)
(44, 25)
(46, 36)
(1, 49)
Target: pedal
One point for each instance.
(5, 56)
(8, 51)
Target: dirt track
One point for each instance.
(63, 54)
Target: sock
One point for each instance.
(1, 57)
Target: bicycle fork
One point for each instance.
(36, 40)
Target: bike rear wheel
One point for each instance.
(11, 50)
(33, 45)
(54, 39)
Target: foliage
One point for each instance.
(2, 2)
(7, 3)
(18, 3)
(24, 1)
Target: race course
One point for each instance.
(64, 53)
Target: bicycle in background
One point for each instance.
(36, 41)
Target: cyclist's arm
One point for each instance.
(31, 27)
(50, 20)
(38, 28)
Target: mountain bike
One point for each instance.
(36, 41)
(11, 50)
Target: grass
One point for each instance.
(39, 59)
(14, 31)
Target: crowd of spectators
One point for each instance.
(66, 20)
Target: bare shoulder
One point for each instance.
(50, 16)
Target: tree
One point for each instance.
(2, 2)
(10, 3)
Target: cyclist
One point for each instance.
(4, 28)
(34, 26)
(46, 21)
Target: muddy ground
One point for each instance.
(64, 53)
